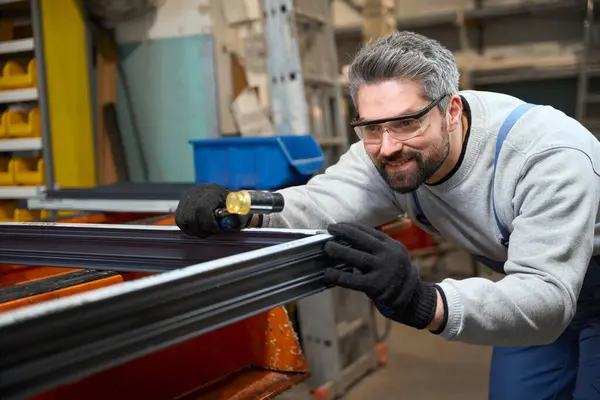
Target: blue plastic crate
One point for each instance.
(262, 163)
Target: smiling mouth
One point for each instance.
(399, 164)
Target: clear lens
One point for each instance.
(401, 130)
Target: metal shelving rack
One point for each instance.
(305, 94)
(27, 146)
(535, 68)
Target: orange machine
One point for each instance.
(255, 358)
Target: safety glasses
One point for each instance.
(401, 128)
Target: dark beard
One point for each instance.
(408, 181)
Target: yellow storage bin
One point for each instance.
(7, 171)
(7, 210)
(26, 215)
(23, 124)
(4, 124)
(29, 171)
(18, 75)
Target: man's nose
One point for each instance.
(389, 145)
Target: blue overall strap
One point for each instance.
(420, 214)
(507, 125)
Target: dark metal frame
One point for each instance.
(51, 284)
(55, 343)
(415, 115)
(123, 248)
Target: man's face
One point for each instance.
(405, 164)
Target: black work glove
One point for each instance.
(195, 214)
(385, 274)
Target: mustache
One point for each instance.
(401, 157)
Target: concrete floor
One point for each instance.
(424, 366)
(421, 366)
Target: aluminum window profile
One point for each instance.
(142, 248)
(53, 343)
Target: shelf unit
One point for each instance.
(298, 86)
(482, 13)
(24, 114)
(17, 46)
(318, 94)
(479, 13)
(485, 70)
(25, 144)
(18, 95)
(18, 192)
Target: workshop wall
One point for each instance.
(166, 91)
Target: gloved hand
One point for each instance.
(385, 274)
(195, 214)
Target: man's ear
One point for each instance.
(454, 112)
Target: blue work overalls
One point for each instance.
(569, 368)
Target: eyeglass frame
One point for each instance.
(416, 115)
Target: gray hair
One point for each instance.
(406, 55)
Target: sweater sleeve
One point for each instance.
(555, 205)
(352, 190)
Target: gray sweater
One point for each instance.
(547, 193)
